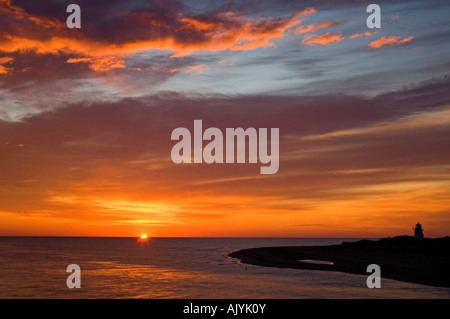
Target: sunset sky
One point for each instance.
(86, 117)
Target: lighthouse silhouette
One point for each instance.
(418, 231)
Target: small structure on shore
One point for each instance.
(418, 231)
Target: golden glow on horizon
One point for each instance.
(143, 236)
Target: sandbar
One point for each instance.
(404, 258)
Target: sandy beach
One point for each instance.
(425, 261)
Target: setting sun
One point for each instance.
(143, 236)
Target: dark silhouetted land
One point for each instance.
(425, 261)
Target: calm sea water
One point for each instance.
(35, 267)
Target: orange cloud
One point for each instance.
(181, 54)
(193, 23)
(357, 35)
(200, 68)
(251, 45)
(5, 60)
(236, 32)
(180, 33)
(313, 40)
(7, 8)
(100, 64)
(316, 26)
(392, 40)
(327, 38)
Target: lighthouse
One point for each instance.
(418, 231)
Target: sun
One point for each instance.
(143, 238)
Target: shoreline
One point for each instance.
(402, 258)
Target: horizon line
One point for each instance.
(160, 237)
(150, 237)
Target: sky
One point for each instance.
(86, 117)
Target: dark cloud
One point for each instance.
(158, 25)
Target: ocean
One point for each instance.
(182, 268)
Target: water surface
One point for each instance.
(35, 267)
